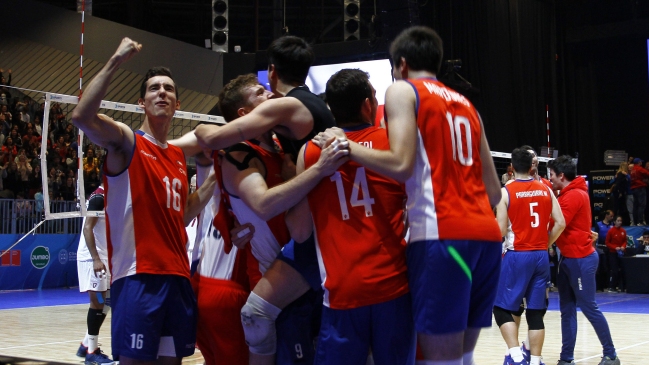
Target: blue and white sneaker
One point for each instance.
(98, 358)
(510, 361)
(526, 353)
(82, 351)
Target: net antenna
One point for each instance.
(109, 105)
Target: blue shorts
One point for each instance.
(523, 274)
(453, 284)
(347, 335)
(153, 315)
(297, 328)
(303, 258)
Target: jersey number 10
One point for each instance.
(455, 124)
(360, 185)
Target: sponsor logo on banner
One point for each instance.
(63, 257)
(40, 257)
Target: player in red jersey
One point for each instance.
(259, 194)
(360, 237)
(526, 208)
(439, 149)
(146, 181)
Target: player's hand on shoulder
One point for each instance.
(331, 157)
(323, 139)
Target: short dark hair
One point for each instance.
(645, 232)
(292, 57)
(231, 98)
(522, 160)
(346, 91)
(420, 46)
(564, 165)
(156, 71)
(528, 147)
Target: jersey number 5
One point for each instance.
(535, 215)
(457, 124)
(360, 185)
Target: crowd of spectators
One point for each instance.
(21, 140)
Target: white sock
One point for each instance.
(516, 354)
(535, 360)
(85, 340)
(467, 358)
(92, 343)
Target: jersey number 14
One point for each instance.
(360, 186)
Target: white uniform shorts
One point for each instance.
(88, 281)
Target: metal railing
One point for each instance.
(19, 216)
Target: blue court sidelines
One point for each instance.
(608, 302)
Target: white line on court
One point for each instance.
(617, 349)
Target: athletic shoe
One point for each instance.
(608, 361)
(82, 351)
(564, 362)
(526, 353)
(510, 361)
(98, 358)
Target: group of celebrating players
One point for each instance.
(321, 238)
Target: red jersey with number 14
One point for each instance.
(446, 196)
(529, 211)
(145, 204)
(359, 225)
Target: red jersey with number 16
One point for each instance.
(529, 211)
(359, 225)
(446, 196)
(145, 204)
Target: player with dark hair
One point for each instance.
(146, 181)
(527, 206)
(578, 264)
(360, 240)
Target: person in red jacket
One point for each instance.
(639, 177)
(578, 264)
(616, 244)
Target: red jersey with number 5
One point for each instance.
(446, 196)
(529, 211)
(145, 205)
(359, 225)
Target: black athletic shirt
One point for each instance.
(322, 118)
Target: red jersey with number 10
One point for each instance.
(446, 196)
(359, 224)
(145, 205)
(529, 211)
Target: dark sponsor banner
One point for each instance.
(39, 261)
(599, 187)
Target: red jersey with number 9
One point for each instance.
(446, 196)
(529, 211)
(359, 225)
(145, 205)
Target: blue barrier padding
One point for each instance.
(39, 261)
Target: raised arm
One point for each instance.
(298, 219)
(559, 221)
(116, 137)
(287, 112)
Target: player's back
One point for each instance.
(447, 198)
(359, 223)
(529, 211)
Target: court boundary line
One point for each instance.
(617, 349)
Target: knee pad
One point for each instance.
(502, 316)
(535, 319)
(258, 319)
